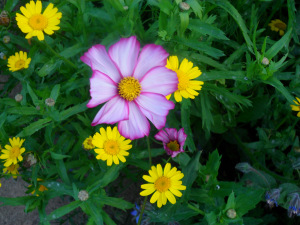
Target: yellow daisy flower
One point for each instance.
(164, 183)
(111, 146)
(278, 25)
(88, 143)
(186, 73)
(12, 169)
(18, 61)
(34, 23)
(297, 106)
(13, 152)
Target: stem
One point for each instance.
(168, 159)
(59, 56)
(196, 209)
(145, 200)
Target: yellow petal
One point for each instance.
(115, 159)
(175, 192)
(163, 198)
(147, 186)
(178, 97)
(147, 192)
(167, 169)
(159, 170)
(154, 197)
(170, 197)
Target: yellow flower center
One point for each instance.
(20, 64)
(280, 26)
(11, 168)
(162, 184)
(15, 151)
(38, 22)
(183, 80)
(173, 145)
(129, 88)
(111, 147)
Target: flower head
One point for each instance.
(88, 143)
(272, 197)
(172, 139)
(278, 26)
(186, 73)
(13, 152)
(34, 23)
(18, 61)
(297, 106)
(133, 84)
(111, 146)
(12, 169)
(164, 183)
(294, 206)
(83, 195)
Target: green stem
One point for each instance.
(168, 159)
(196, 209)
(59, 56)
(145, 200)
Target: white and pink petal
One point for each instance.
(151, 56)
(124, 54)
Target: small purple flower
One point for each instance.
(136, 213)
(172, 139)
(294, 206)
(272, 196)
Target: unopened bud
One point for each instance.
(29, 161)
(231, 213)
(50, 102)
(125, 7)
(38, 107)
(244, 167)
(2, 55)
(83, 195)
(6, 39)
(265, 61)
(4, 18)
(297, 149)
(184, 6)
(19, 97)
(207, 178)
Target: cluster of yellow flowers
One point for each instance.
(34, 23)
(12, 154)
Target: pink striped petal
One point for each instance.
(137, 126)
(112, 112)
(151, 56)
(160, 80)
(162, 136)
(102, 89)
(97, 58)
(124, 53)
(172, 132)
(155, 107)
(181, 137)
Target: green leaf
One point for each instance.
(55, 92)
(50, 67)
(15, 201)
(217, 75)
(33, 96)
(184, 21)
(247, 201)
(206, 29)
(34, 127)
(237, 17)
(196, 7)
(280, 87)
(72, 111)
(278, 45)
(10, 5)
(114, 202)
(58, 156)
(107, 220)
(230, 202)
(23, 110)
(63, 210)
(207, 60)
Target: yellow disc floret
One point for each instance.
(173, 145)
(129, 88)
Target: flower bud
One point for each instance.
(50, 102)
(244, 167)
(272, 196)
(83, 195)
(4, 18)
(125, 7)
(2, 55)
(265, 61)
(38, 107)
(294, 205)
(29, 161)
(231, 213)
(184, 6)
(6, 39)
(19, 97)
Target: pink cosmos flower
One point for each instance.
(172, 139)
(134, 85)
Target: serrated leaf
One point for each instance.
(34, 127)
